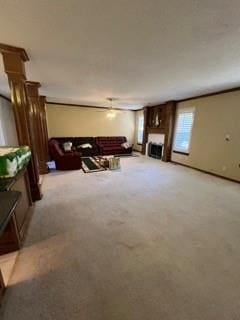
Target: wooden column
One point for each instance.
(170, 120)
(145, 133)
(43, 115)
(13, 60)
(35, 107)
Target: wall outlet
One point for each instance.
(224, 168)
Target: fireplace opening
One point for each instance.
(155, 150)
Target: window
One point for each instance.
(8, 134)
(183, 130)
(140, 129)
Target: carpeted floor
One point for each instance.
(153, 241)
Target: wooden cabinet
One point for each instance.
(8, 229)
(10, 240)
(23, 207)
(14, 234)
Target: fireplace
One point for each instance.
(155, 150)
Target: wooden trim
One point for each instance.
(44, 130)
(145, 133)
(4, 97)
(85, 106)
(14, 66)
(34, 101)
(10, 240)
(33, 84)
(2, 286)
(169, 128)
(206, 172)
(210, 94)
(197, 97)
(5, 48)
(181, 152)
(75, 105)
(26, 222)
(157, 130)
(141, 109)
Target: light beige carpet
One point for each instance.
(153, 241)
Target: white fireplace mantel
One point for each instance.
(155, 138)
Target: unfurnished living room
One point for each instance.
(119, 160)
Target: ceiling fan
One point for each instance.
(110, 110)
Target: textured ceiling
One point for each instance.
(139, 51)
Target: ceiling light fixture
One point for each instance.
(111, 113)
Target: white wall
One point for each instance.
(8, 133)
(215, 118)
(68, 121)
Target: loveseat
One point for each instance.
(70, 160)
(112, 145)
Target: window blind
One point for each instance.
(183, 130)
(140, 130)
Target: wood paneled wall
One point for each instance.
(160, 119)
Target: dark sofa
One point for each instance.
(77, 141)
(100, 145)
(112, 145)
(86, 152)
(70, 160)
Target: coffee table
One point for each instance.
(108, 162)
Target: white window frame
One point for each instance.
(140, 129)
(181, 111)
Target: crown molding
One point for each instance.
(205, 95)
(210, 94)
(4, 97)
(214, 93)
(85, 106)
